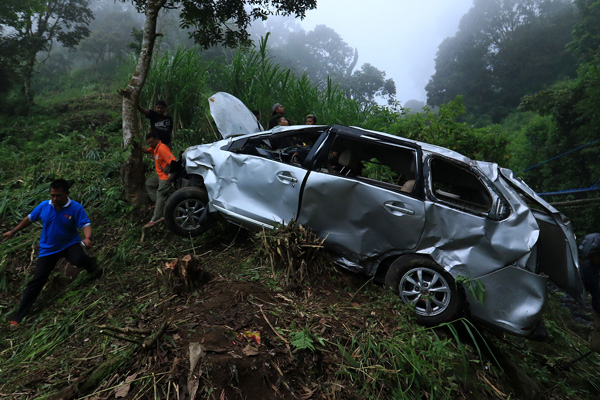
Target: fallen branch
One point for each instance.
(272, 328)
(124, 330)
(120, 337)
(151, 341)
(91, 379)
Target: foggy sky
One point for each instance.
(396, 36)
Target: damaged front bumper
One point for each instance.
(513, 308)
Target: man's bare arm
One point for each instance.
(87, 233)
(23, 224)
(143, 110)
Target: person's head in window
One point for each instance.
(282, 121)
(310, 119)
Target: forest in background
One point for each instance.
(347, 338)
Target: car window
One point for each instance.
(287, 147)
(458, 185)
(384, 164)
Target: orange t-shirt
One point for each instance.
(162, 158)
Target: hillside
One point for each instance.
(255, 329)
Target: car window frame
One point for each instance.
(237, 145)
(499, 208)
(317, 160)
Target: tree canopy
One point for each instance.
(29, 27)
(504, 50)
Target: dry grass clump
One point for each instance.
(293, 252)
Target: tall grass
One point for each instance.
(185, 80)
(411, 364)
(180, 79)
(255, 79)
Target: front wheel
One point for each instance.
(428, 287)
(184, 210)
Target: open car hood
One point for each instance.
(557, 248)
(231, 116)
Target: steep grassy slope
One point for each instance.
(130, 333)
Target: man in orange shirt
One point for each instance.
(159, 185)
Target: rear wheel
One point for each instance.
(428, 287)
(184, 209)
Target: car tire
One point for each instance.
(428, 287)
(183, 211)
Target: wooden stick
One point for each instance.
(151, 341)
(125, 338)
(125, 330)
(272, 328)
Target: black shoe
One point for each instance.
(95, 271)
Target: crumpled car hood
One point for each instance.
(231, 115)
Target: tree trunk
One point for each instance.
(133, 172)
(27, 76)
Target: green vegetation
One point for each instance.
(530, 67)
(348, 337)
(324, 333)
(356, 337)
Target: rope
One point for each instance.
(563, 154)
(567, 191)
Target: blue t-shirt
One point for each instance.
(60, 228)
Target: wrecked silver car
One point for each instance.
(451, 235)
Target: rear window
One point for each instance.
(457, 185)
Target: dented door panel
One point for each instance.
(557, 248)
(360, 219)
(258, 189)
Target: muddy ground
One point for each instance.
(227, 333)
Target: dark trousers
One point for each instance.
(43, 269)
(590, 275)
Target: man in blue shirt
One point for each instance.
(61, 218)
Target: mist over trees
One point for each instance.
(568, 116)
(29, 27)
(322, 54)
(503, 50)
(110, 33)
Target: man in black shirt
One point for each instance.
(278, 112)
(160, 122)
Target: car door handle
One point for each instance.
(394, 209)
(283, 176)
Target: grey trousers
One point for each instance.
(158, 190)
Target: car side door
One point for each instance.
(354, 196)
(260, 185)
